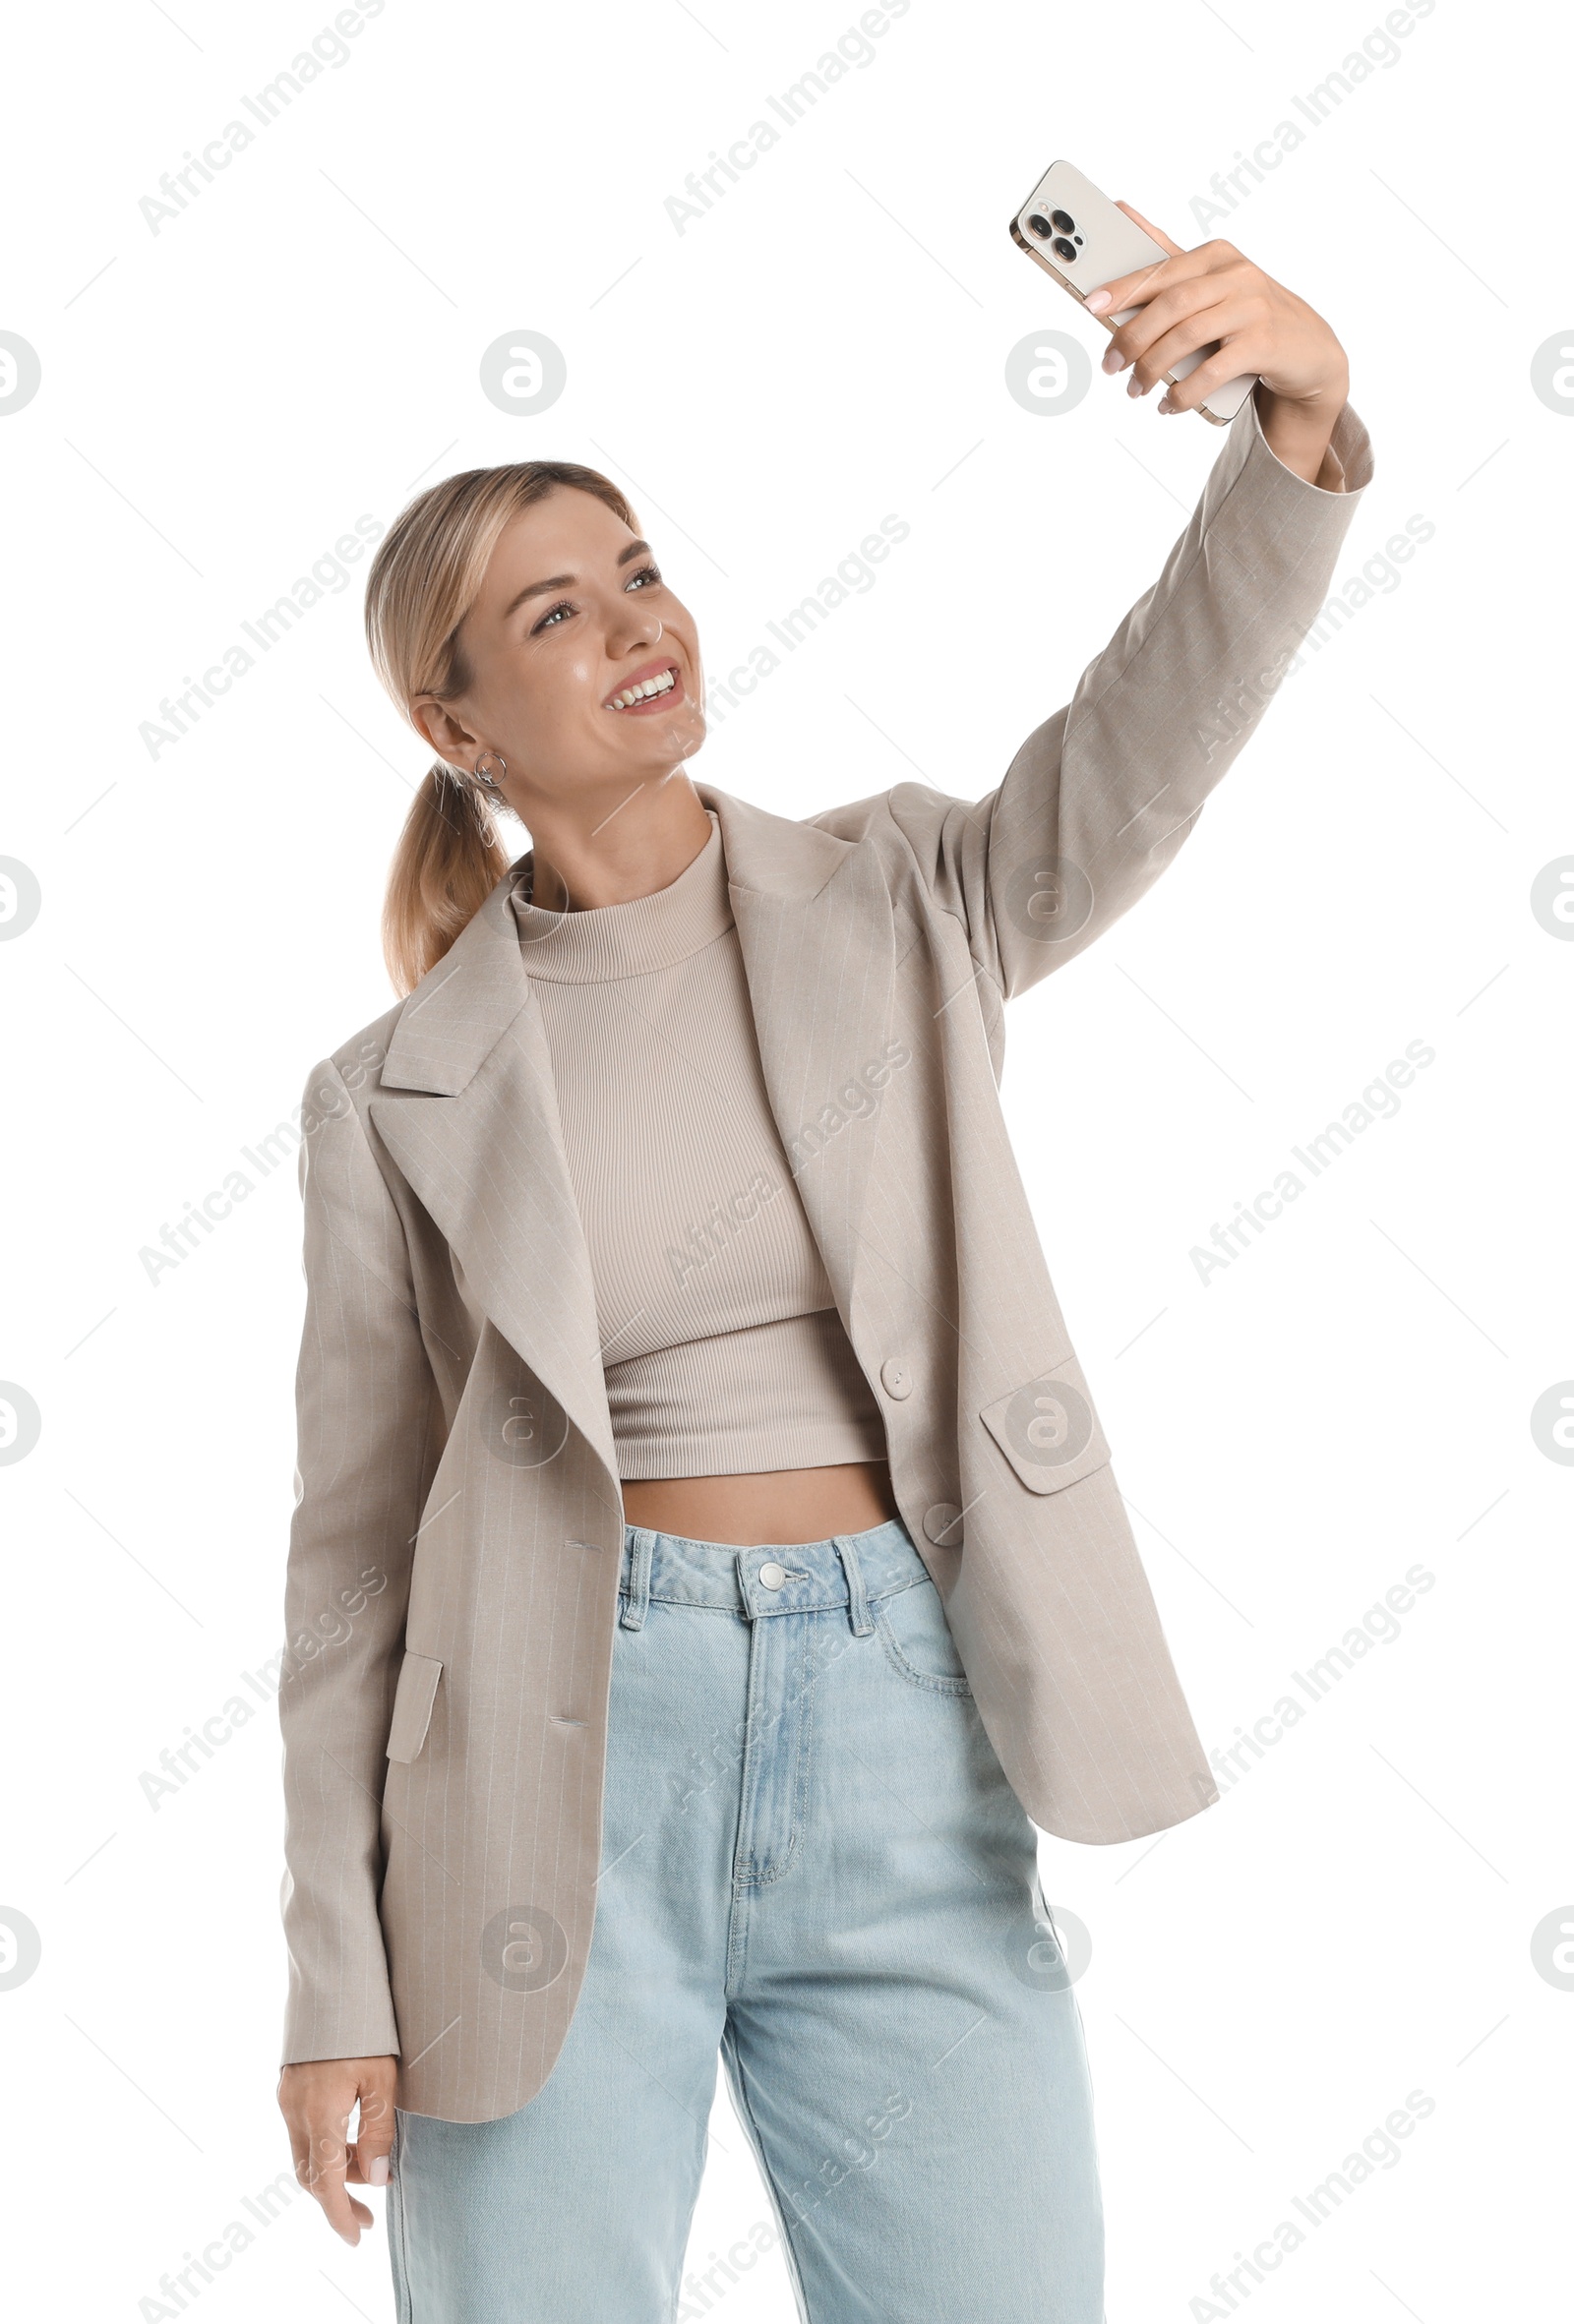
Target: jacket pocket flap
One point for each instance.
(412, 1706)
(1048, 1428)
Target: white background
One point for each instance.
(1348, 1399)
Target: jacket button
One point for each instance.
(943, 1524)
(895, 1379)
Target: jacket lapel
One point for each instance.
(467, 1108)
(817, 939)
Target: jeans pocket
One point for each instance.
(916, 1638)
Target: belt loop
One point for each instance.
(641, 1544)
(857, 1597)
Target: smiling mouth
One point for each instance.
(646, 693)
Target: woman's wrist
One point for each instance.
(1299, 431)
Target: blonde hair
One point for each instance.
(424, 579)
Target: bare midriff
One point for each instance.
(782, 1504)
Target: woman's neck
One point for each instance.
(586, 859)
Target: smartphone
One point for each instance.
(1077, 234)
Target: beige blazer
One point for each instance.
(454, 1555)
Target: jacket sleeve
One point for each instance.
(366, 1414)
(1100, 797)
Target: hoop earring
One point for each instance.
(486, 780)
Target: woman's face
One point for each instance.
(573, 614)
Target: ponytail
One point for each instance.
(426, 575)
(447, 860)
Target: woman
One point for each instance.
(706, 1536)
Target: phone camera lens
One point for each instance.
(1040, 226)
(1063, 248)
(1061, 222)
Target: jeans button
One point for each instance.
(772, 1576)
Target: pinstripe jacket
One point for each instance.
(455, 1552)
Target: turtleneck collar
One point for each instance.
(628, 939)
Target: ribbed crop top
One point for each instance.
(722, 1347)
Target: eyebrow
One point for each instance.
(568, 580)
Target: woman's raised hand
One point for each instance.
(1194, 296)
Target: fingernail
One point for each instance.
(1166, 406)
(1114, 360)
(1097, 301)
(1134, 386)
(377, 2172)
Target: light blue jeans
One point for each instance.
(812, 1862)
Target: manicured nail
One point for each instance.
(1114, 360)
(377, 2172)
(1097, 301)
(1166, 406)
(1134, 386)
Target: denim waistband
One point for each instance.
(797, 1578)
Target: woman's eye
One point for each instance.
(552, 619)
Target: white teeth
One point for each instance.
(639, 693)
